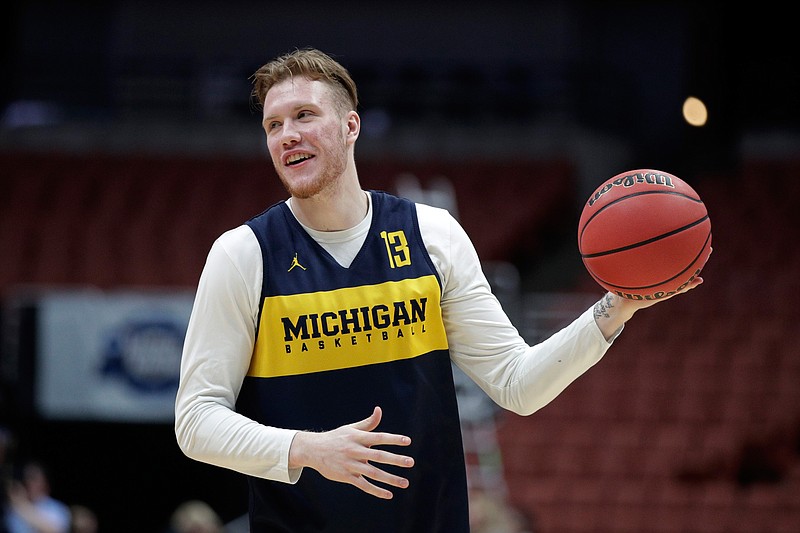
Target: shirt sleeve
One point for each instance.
(216, 356)
(485, 344)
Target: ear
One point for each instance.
(353, 126)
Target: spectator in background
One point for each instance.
(195, 516)
(84, 520)
(31, 508)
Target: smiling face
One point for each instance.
(309, 136)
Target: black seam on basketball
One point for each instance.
(642, 193)
(705, 243)
(647, 241)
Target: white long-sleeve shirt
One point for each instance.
(482, 342)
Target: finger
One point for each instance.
(389, 458)
(385, 439)
(375, 473)
(371, 422)
(371, 489)
(693, 284)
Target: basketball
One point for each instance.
(644, 234)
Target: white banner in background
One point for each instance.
(110, 356)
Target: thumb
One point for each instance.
(371, 422)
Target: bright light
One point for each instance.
(694, 111)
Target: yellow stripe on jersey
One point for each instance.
(349, 327)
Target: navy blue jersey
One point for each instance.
(332, 343)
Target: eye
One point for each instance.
(304, 114)
(272, 125)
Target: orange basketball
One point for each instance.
(644, 234)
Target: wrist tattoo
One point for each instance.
(601, 308)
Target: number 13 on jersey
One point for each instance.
(396, 248)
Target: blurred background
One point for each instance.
(128, 143)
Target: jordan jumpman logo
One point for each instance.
(295, 263)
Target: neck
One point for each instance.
(335, 209)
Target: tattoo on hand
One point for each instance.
(601, 308)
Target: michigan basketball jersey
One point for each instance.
(332, 343)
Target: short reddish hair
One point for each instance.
(312, 64)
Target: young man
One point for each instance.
(317, 358)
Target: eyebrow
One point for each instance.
(295, 108)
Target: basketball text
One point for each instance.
(658, 295)
(629, 180)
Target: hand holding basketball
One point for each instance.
(644, 235)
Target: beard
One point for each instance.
(308, 186)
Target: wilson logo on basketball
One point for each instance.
(658, 295)
(629, 180)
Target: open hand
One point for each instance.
(346, 454)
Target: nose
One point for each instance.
(289, 133)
